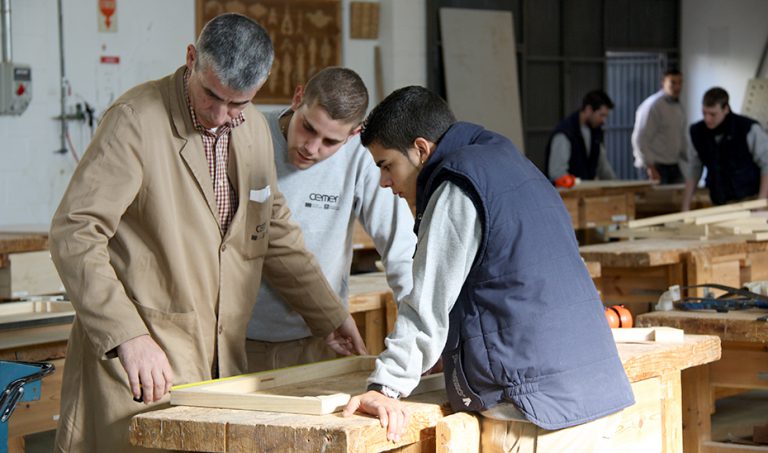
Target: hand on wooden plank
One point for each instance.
(392, 414)
(149, 372)
(346, 339)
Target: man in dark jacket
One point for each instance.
(734, 149)
(499, 287)
(576, 146)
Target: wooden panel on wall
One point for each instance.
(306, 35)
(363, 20)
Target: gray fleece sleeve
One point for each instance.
(449, 238)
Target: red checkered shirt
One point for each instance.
(216, 146)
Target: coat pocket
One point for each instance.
(258, 215)
(180, 336)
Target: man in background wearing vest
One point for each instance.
(329, 180)
(499, 289)
(658, 139)
(576, 146)
(734, 149)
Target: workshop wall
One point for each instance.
(721, 46)
(150, 42)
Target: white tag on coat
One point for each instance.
(260, 195)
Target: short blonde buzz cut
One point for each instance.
(340, 91)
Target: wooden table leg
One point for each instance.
(671, 413)
(16, 444)
(697, 407)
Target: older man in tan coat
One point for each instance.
(163, 235)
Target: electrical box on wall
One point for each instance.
(15, 88)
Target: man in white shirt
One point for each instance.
(658, 140)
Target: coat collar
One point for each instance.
(190, 148)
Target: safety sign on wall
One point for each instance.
(107, 16)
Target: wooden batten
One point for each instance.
(315, 389)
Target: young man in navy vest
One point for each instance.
(576, 145)
(734, 149)
(499, 288)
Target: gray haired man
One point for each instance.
(161, 239)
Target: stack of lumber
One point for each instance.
(739, 220)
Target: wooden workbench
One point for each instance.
(369, 300)
(744, 361)
(668, 199)
(653, 368)
(637, 272)
(17, 242)
(600, 203)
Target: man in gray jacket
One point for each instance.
(329, 180)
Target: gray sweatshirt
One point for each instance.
(449, 238)
(325, 200)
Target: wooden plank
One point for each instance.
(640, 425)
(316, 389)
(755, 267)
(20, 338)
(473, 39)
(672, 412)
(604, 210)
(458, 433)
(741, 369)
(644, 360)
(29, 273)
(681, 216)
(723, 217)
(572, 206)
(235, 431)
(31, 313)
(655, 334)
(16, 242)
(723, 447)
(697, 407)
(734, 326)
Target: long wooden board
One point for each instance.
(314, 389)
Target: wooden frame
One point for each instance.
(315, 389)
(306, 35)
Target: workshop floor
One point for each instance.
(734, 419)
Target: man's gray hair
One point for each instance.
(237, 49)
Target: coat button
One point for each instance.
(221, 329)
(223, 247)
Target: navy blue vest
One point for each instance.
(581, 164)
(528, 327)
(731, 170)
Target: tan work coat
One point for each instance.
(138, 246)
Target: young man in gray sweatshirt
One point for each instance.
(329, 180)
